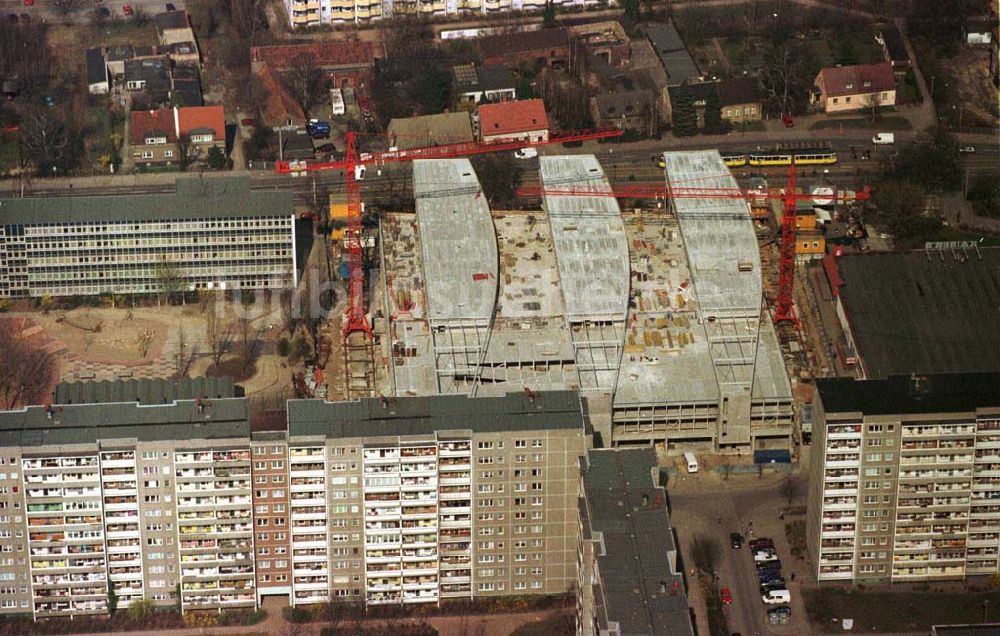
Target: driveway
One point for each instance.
(705, 503)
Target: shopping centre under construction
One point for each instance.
(655, 316)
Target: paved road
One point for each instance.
(46, 9)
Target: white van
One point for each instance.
(692, 462)
(526, 153)
(777, 597)
(337, 101)
(884, 139)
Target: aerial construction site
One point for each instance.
(655, 315)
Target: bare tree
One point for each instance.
(218, 335)
(705, 552)
(782, 77)
(25, 371)
(169, 279)
(185, 354)
(789, 489)
(247, 17)
(251, 341)
(46, 140)
(184, 151)
(142, 342)
(306, 82)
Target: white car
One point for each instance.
(526, 153)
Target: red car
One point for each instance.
(127, 9)
(29, 3)
(787, 118)
(726, 595)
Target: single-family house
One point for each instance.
(741, 100)
(847, 88)
(634, 110)
(518, 120)
(202, 127)
(115, 58)
(430, 130)
(97, 73)
(893, 47)
(174, 27)
(185, 86)
(545, 47)
(148, 82)
(475, 84)
(154, 137)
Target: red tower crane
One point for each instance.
(784, 311)
(356, 320)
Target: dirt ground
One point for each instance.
(105, 343)
(978, 101)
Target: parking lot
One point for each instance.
(705, 503)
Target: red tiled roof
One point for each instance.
(324, 54)
(512, 117)
(152, 121)
(196, 119)
(835, 81)
(279, 106)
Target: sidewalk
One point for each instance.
(275, 625)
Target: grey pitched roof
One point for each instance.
(159, 391)
(97, 72)
(738, 90)
(40, 426)
(551, 410)
(523, 41)
(120, 52)
(639, 586)
(195, 198)
(171, 20)
(674, 56)
(629, 103)
(494, 77)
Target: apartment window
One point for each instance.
(871, 499)
(147, 154)
(168, 154)
(520, 443)
(871, 485)
(874, 442)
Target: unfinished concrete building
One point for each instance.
(638, 311)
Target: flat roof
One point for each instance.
(589, 237)
(910, 394)
(926, 311)
(194, 198)
(181, 420)
(457, 241)
(146, 391)
(374, 417)
(629, 510)
(673, 54)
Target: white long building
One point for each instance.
(211, 234)
(303, 13)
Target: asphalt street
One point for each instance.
(50, 12)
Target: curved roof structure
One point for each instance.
(457, 241)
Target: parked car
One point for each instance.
(736, 540)
(29, 3)
(325, 148)
(775, 584)
(726, 595)
(779, 615)
(247, 121)
(103, 12)
(967, 149)
(127, 9)
(768, 575)
(318, 129)
(526, 153)
(761, 544)
(759, 556)
(787, 119)
(772, 564)
(12, 18)
(777, 597)
(171, 7)
(25, 18)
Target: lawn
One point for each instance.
(891, 122)
(893, 611)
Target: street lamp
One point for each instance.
(986, 609)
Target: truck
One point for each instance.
(884, 139)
